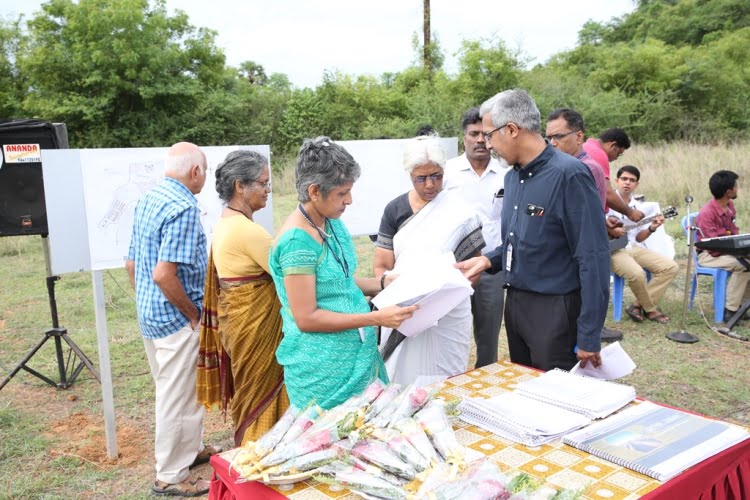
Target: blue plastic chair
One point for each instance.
(618, 289)
(721, 276)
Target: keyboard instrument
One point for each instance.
(738, 244)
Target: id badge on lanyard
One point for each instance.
(508, 257)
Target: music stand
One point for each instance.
(682, 336)
(67, 370)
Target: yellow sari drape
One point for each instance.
(237, 368)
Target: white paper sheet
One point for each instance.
(615, 364)
(434, 284)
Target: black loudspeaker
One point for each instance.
(22, 207)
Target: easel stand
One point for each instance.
(67, 369)
(682, 336)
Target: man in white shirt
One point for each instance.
(630, 262)
(479, 178)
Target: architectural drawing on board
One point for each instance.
(118, 220)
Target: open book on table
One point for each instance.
(655, 440)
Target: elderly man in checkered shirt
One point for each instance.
(167, 267)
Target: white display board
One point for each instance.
(91, 196)
(383, 178)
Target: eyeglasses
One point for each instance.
(488, 135)
(265, 185)
(558, 137)
(421, 179)
(627, 179)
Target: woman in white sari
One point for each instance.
(427, 220)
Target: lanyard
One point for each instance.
(325, 237)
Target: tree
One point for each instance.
(11, 81)
(426, 37)
(118, 72)
(486, 67)
(253, 73)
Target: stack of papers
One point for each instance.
(433, 284)
(594, 398)
(521, 419)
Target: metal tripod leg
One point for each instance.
(84, 360)
(737, 316)
(22, 365)
(65, 381)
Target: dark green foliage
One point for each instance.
(124, 73)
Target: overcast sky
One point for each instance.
(304, 38)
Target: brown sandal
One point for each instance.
(204, 456)
(187, 488)
(635, 312)
(659, 317)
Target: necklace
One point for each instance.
(239, 211)
(321, 231)
(343, 264)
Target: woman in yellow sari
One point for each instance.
(241, 326)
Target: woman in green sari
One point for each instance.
(329, 351)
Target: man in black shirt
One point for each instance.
(554, 248)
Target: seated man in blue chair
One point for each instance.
(629, 262)
(718, 218)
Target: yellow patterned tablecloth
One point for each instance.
(557, 465)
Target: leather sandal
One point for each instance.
(187, 488)
(635, 312)
(205, 455)
(659, 317)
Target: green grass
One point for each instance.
(38, 461)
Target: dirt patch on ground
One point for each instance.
(81, 435)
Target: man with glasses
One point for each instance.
(479, 179)
(565, 130)
(630, 262)
(554, 250)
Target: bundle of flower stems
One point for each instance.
(387, 431)
(388, 442)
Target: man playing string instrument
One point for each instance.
(629, 262)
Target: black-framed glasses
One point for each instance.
(265, 185)
(559, 137)
(421, 179)
(488, 135)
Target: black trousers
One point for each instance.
(487, 310)
(542, 329)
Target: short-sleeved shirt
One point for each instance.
(324, 367)
(167, 228)
(240, 247)
(599, 179)
(714, 221)
(597, 153)
(396, 213)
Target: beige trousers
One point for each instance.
(630, 263)
(737, 289)
(179, 417)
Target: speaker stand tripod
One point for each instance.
(682, 336)
(67, 369)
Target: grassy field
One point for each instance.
(51, 441)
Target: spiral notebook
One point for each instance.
(520, 419)
(594, 398)
(655, 440)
